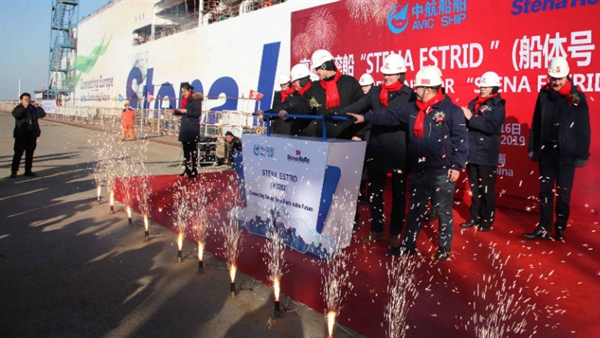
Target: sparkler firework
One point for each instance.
(275, 249)
(403, 293)
(232, 235)
(336, 285)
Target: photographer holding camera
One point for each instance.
(27, 130)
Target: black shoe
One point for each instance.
(13, 175)
(401, 251)
(193, 174)
(471, 223)
(538, 233)
(442, 255)
(29, 174)
(559, 231)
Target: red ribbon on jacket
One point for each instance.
(184, 100)
(332, 95)
(480, 101)
(564, 91)
(419, 128)
(286, 93)
(385, 89)
(305, 88)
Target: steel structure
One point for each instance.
(63, 47)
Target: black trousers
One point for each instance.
(376, 186)
(553, 174)
(482, 180)
(190, 153)
(24, 142)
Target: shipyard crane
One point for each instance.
(63, 48)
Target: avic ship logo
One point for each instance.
(398, 19)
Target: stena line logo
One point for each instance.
(398, 18)
(534, 6)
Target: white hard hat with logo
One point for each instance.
(393, 64)
(284, 78)
(428, 76)
(319, 57)
(366, 80)
(558, 68)
(300, 71)
(489, 79)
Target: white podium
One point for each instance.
(305, 186)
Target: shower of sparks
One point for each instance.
(402, 290)
(274, 251)
(232, 240)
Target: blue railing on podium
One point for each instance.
(302, 116)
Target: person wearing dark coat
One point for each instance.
(333, 92)
(437, 151)
(386, 149)
(300, 79)
(27, 130)
(232, 144)
(189, 132)
(559, 140)
(485, 116)
(279, 126)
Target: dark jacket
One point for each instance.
(26, 120)
(443, 146)
(386, 145)
(349, 90)
(190, 121)
(484, 132)
(293, 102)
(235, 144)
(574, 129)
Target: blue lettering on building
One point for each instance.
(226, 86)
(535, 6)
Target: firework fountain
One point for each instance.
(274, 250)
(144, 193)
(232, 240)
(402, 290)
(199, 222)
(336, 285)
(505, 307)
(181, 215)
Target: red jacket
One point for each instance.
(128, 118)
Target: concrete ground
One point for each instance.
(69, 268)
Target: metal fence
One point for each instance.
(160, 121)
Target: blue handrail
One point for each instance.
(303, 116)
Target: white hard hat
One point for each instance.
(300, 71)
(366, 80)
(558, 68)
(428, 76)
(319, 57)
(489, 79)
(284, 78)
(314, 77)
(393, 64)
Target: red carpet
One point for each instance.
(561, 279)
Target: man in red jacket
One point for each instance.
(127, 122)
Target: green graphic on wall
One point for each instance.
(84, 64)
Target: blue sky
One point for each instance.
(25, 43)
